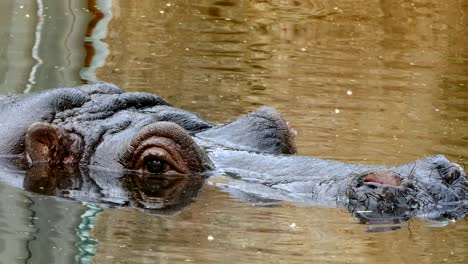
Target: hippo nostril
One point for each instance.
(386, 178)
(452, 175)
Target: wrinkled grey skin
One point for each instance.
(252, 153)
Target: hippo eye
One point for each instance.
(160, 159)
(156, 166)
(164, 148)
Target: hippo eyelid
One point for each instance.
(195, 159)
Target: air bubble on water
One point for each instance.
(27, 15)
(210, 238)
(337, 111)
(162, 11)
(349, 92)
(168, 4)
(21, 6)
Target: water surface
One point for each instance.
(376, 82)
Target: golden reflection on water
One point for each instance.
(219, 230)
(376, 82)
(380, 82)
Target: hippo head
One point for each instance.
(143, 133)
(433, 188)
(120, 131)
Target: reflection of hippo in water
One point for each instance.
(141, 134)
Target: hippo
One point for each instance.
(97, 143)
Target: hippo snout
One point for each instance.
(433, 182)
(381, 192)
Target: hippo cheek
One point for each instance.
(164, 148)
(46, 143)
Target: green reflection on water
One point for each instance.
(87, 246)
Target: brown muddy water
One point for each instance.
(376, 82)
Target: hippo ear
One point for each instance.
(42, 142)
(47, 143)
(261, 131)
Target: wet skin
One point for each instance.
(60, 135)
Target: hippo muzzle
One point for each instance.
(433, 183)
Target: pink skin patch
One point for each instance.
(383, 178)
